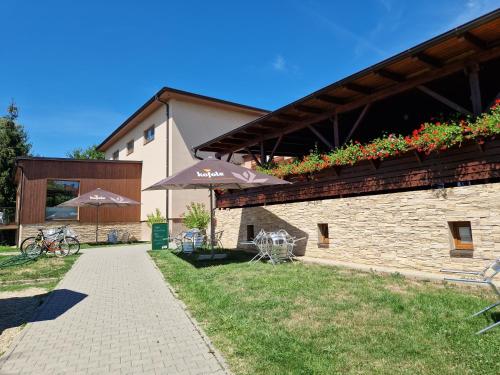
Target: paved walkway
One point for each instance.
(112, 313)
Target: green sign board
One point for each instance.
(159, 236)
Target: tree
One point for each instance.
(13, 143)
(90, 152)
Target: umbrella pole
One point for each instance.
(211, 222)
(97, 226)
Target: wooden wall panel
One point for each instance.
(123, 178)
(468, 163)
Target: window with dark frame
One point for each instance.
(149, 134)
(323, 235)
(250, 232)
(130, 147)
(60, 191)
(461, 233)
(115, 155)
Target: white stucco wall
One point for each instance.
(152, 155)
(194, 124)
(191, 123)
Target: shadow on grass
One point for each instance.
(16, 260)
(233, 256)
(16, 311)
(495, 316)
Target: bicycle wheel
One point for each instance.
(30, 248)
(71, 245)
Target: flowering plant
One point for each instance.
(429, 137)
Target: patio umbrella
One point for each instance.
(211, 174)
(97, 198)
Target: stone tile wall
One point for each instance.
(85, 232)
(406, 230)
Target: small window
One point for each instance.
(130, 147)
(461, 233)
(115, 155)
(323, 237)
(149, 134)
(250, 232)
(60, 191)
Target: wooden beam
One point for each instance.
(428, 60)
(255, 158)
(320, 136)
(229, 156)
(308, 109)
(474, 41)
(358, 121)
(390, 75)
(392, 90)
(444, 100)
(330, 99)
(287, 117)
(262, 153)
(278, 141)
(336, 135)
(359, 88)
(475, 89)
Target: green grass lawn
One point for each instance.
(8, 249)
(307, 319)
(45, 271)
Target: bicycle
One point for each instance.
(56, 243)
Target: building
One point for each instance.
(43, 183)
(411, 211)
(162, 134)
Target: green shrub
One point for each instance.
(196, 216)
(155, 218)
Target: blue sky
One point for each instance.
(77, 69)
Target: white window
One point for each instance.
(149, 134)
(130, 147)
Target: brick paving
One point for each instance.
(112, 313)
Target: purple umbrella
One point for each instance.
(214, 173)
(97, 198)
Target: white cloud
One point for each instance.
(387, 4)
(472, 9)
(279, 63)
(362, 44)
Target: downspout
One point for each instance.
(167, 166)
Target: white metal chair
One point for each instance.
(276, 246)
(291, 243)
(260, 242)
(484, 277)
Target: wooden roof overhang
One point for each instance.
(465, 46)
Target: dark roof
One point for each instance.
(163, 94)
(477, 40)
(40, 158)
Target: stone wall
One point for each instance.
(405, 231)
(84, 231)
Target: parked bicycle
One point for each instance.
(57, 242)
